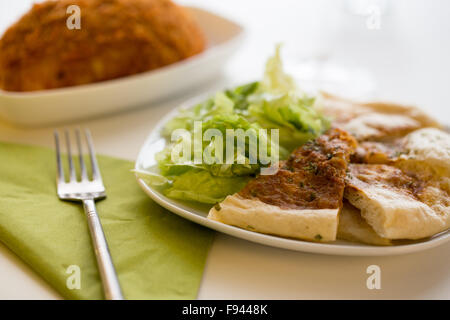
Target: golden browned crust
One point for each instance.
(312, 178)
(361, 176)
(376, 121)
(376, 152)
(117, 38)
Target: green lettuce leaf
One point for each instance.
(221, 122)
(203, 187)
(219, 105)
(279, 104)
(194, 185)
(295, 117)
(275, 80)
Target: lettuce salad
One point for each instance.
(273, 103)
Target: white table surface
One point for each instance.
(407, 58)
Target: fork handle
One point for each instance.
(108, 274)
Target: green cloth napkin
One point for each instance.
(157, 254)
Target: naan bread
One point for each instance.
(376, 152)
(255, 215)
(427, 147)
(420, 159)
(379, 126)
(425, 150)
(376, 121)
(397, 205)
(353, 227)
(302, 199)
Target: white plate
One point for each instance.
(73, 103)
(198, 212)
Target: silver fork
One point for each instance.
(87, 191)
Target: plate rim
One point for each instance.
(341, 249)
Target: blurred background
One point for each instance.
(390, 50)
(394, 50)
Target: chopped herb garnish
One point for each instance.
(399, 153)
(217, 207)
(289, 168)
(311, 167)
(318, 237)
(312, 145)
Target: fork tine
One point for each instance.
(73, 176)
(84, 175)
(59, 171)
(95, 169)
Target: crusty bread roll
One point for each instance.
(117, 38)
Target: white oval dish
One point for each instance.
(198, 212)
(73, 103)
